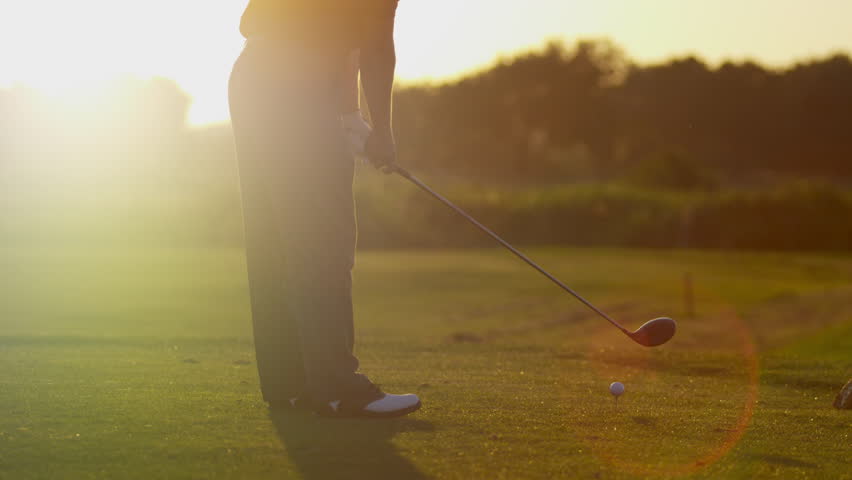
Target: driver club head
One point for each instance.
(655, 332)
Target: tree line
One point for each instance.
(674, 154)
(557, 114)
(589, 112)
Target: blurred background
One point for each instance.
(610, 122)
(573, 128)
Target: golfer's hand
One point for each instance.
(381, 150)
(357, 130)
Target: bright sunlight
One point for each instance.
(63, 47)
(178, 297)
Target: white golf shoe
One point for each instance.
(388, 406)
(368, 400)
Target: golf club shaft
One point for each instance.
(404, 173)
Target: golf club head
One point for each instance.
(655, 332)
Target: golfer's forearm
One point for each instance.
(378, 64)
(349, 84)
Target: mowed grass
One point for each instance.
(122, 363)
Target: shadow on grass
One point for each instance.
(322, 448)
(786, 461)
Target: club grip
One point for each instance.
(401, 172)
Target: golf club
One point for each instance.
(651, 334)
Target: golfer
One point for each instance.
(294, 106)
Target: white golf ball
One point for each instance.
(616, 388)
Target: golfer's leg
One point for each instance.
(279, 357)
(320, 270)
(319, 230)
(292, 149)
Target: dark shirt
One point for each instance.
(342, 23)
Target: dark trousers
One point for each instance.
(296, 182)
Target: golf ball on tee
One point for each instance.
(616, 388)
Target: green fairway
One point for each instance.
(138, 363)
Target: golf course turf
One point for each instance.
(120, 363)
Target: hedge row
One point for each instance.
(793, 217)
(392, 214)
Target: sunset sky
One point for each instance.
(64, 46)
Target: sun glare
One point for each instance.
(64, 48)
(70, 49)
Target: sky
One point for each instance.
(68, 47)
